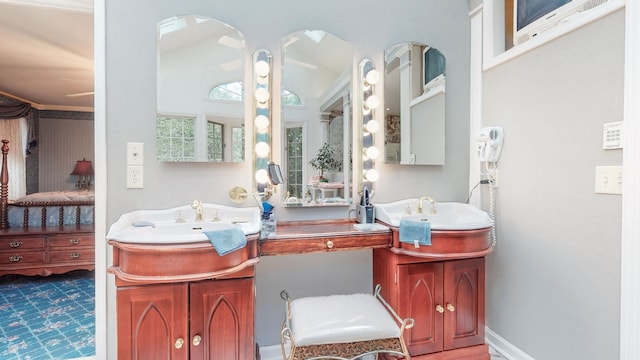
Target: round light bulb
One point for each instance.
(372, 152)
(262, 124)
(262, 149)
(372, 175)
(372, 77)
(372, 126)
(372, 102)
(262, 68)
(262, 95)
(262, 177)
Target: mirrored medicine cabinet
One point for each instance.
(200, 91)
(414, 88)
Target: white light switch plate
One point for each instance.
(135, 153)
(608, 179)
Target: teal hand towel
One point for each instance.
(226, 241)
(412, 231)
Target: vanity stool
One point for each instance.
(342, 327)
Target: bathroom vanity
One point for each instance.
(177, 298)
(442, 287)
(182, 298)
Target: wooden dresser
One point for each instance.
(45, 251)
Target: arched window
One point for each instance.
(231, 91)
(290, 99)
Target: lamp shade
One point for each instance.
(83, 168)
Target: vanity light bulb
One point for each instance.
(372, 126)
(372, 152)
(262, 80)
(262, 149)
(262, 95)
(262, 177)
(372, 77)
(372, 102)
(372, 175)
(262, 68)
(262, 124)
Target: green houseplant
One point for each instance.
(324, 161)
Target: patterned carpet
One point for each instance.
(44, 318)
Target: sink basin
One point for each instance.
(448, 216)
(177, 225)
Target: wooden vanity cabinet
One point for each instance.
(446, 298)
(211, 319)
(182, 301)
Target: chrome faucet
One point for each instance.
(431, 200)
(197, 205)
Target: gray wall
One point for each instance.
(554, 279)
(370, 27)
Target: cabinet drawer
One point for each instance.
(20, 243)
(22, 257)
(71, 255)
(71, 241)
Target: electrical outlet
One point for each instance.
(135, 153)
(608, 179)
(134, 177)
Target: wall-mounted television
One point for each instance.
(433, 68)
(532, 17)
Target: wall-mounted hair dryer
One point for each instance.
(491, 139)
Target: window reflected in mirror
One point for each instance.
(414, 88)
(317, 121)
(200, 92)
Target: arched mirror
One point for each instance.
(414, 88)
(200, 100)
(317, 119)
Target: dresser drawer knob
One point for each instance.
(15, 244)
(329, 244)
(74, 255)
(74, 241)
(15, 258)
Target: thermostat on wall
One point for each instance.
(612, 135)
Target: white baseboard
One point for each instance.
(506, 349)
(271, 352)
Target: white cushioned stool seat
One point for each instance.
(341, 327)
(340, 319)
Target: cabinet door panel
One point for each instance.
(150, 320)
(222, 315)
(420, 289)
(464, 291)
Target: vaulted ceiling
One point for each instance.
(46, 53)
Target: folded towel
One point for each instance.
(226, 241)
(415, 232)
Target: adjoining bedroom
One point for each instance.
(47, 285)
